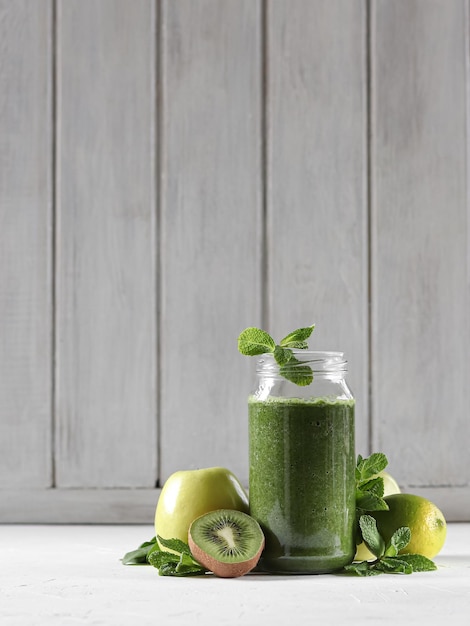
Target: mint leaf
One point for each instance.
(254, 341)
(385, 565)
(297, 338)
(369, 489)
(369, 486)
(418, 562)
(301, 375)
(177, 563)
(373, 485)
(140, 554)
(403, 564)
(361, 568)
(367, 468)
(188, 565)
(368, 501)
(299, 345)
(371, 535)
(161, 557)
(282, 355)
(174, 544)
(400, 539)
(393, 565)
(169, 564)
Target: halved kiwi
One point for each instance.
(228, 543)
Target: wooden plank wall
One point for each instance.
(172, 172)
(211, 227)
(25, 244)
(106, 232)
(420, 242)
(317, 226)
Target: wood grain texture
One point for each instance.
(211, 228)
(25, 243)
(137, 506)
(317, 168)
(78, 506)
(181, 140)
(420, 219)
(106, 276)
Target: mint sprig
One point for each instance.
(254, 341)
(368, 467)
(370, 497)
(369, 486)
(297, 338)
(179, 562)
(388, 560)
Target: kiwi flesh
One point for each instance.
(228, 543)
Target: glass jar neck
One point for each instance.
(330, 365)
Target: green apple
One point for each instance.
(390, 487)
(188, 494)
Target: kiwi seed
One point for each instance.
(228, 543)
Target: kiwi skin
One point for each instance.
(223, 570)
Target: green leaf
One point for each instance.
(169, 570)
(140, 554)
(393, 565)
(186, 560)
(362, 568)
(174, 544)
(161, 557)
(390, 551)
(367, 468)
(253, 341)
(282, 355)
(372, 485)
(400, 538)
(418, 562)
(188, 565)
(298, 345)
(297, 338)
(301, 375)
(178, 563)
(371, 535)
(385, 565)
(370, 502)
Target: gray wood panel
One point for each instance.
(420, 217)
(137, 506)
(25, 243)
(212, 172)
(211, 226)
(106, 270)
(79, 506)
(317, 167)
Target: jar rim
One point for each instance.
(320, 361)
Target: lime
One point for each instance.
(424, 519)
(390, 484)
(390, 487)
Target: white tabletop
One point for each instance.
(73, 575)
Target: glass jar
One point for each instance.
(302, 464)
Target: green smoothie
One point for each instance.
(302, 485)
